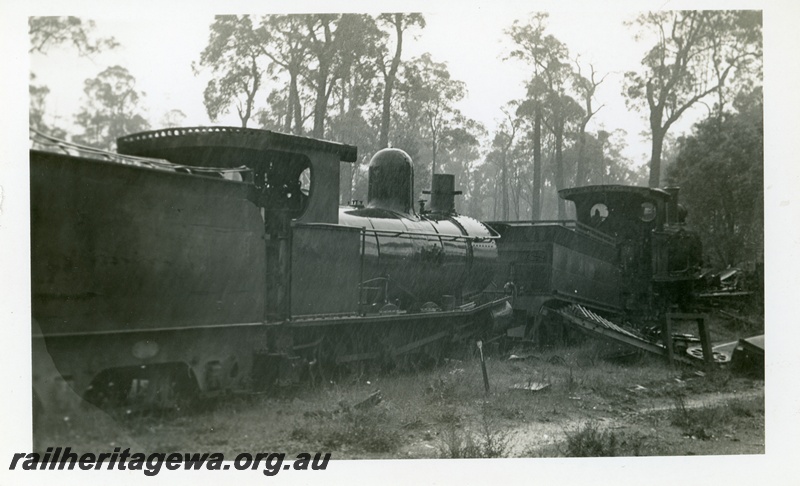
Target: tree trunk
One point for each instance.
(321, 103)
(536, 197)
(494, 202)
(291, 102)
(251, 95)
(580, 175)
(655, 156)
(559, 139)
(297, 110)
(433, 156)
(386, 108)
(504, 182)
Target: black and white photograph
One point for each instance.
(439, 243)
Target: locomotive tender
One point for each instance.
(217, 259)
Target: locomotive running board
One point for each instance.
(598, 326)
(338, 320)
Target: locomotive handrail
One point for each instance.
(435, 235)
(399, 233)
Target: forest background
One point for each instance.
(691, 79)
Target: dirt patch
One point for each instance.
(557, 403)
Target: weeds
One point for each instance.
(701, 422)
(571, 383)
(364, 430)
(457, 444)
(743, 408)
(697, 422)
(446, 408)
(488, 441)
(591, 441)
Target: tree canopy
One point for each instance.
(47, 32)
(720, 170)
(694, 55)
(111, 109)
(349, 78)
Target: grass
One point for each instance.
(708, 421)
(592, 441)
(485, 440)
(442, 412)
(371, 431)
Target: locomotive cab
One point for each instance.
(655, 249)
(292, 177)
(619, 211)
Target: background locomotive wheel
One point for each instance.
(163, 387)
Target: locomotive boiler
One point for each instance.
(211, 259)
(437, 257)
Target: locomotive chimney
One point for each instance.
(391, 181)
(442, 194)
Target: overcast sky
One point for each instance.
(158, 51)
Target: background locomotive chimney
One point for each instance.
(391, 181)
(443, 194)
(672, 206)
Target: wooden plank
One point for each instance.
(666, 334)
(421, 342)
(705, 342)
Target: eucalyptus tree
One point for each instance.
(48, 32)
(353, 102)
(459, 151)
(744, 48)
(693, 56)
(500, 154)
(235, 57)
(585, 86)
(432, 94)
(284, 44)
(399, 23)
(719, 168)
(547, 102)
(36, 107)
(173, 118)
(557, 111)
(324, 36)
(604, 160)
(563, 110)
(112, 108)
(355, 84)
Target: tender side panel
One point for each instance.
(584, 278)
(120, 248)
(556, 261)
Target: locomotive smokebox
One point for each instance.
(442, 194)
(391, 181)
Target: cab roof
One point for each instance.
(575, 193)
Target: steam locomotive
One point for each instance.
(628, 255)
(214, 260)
(211, 260)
